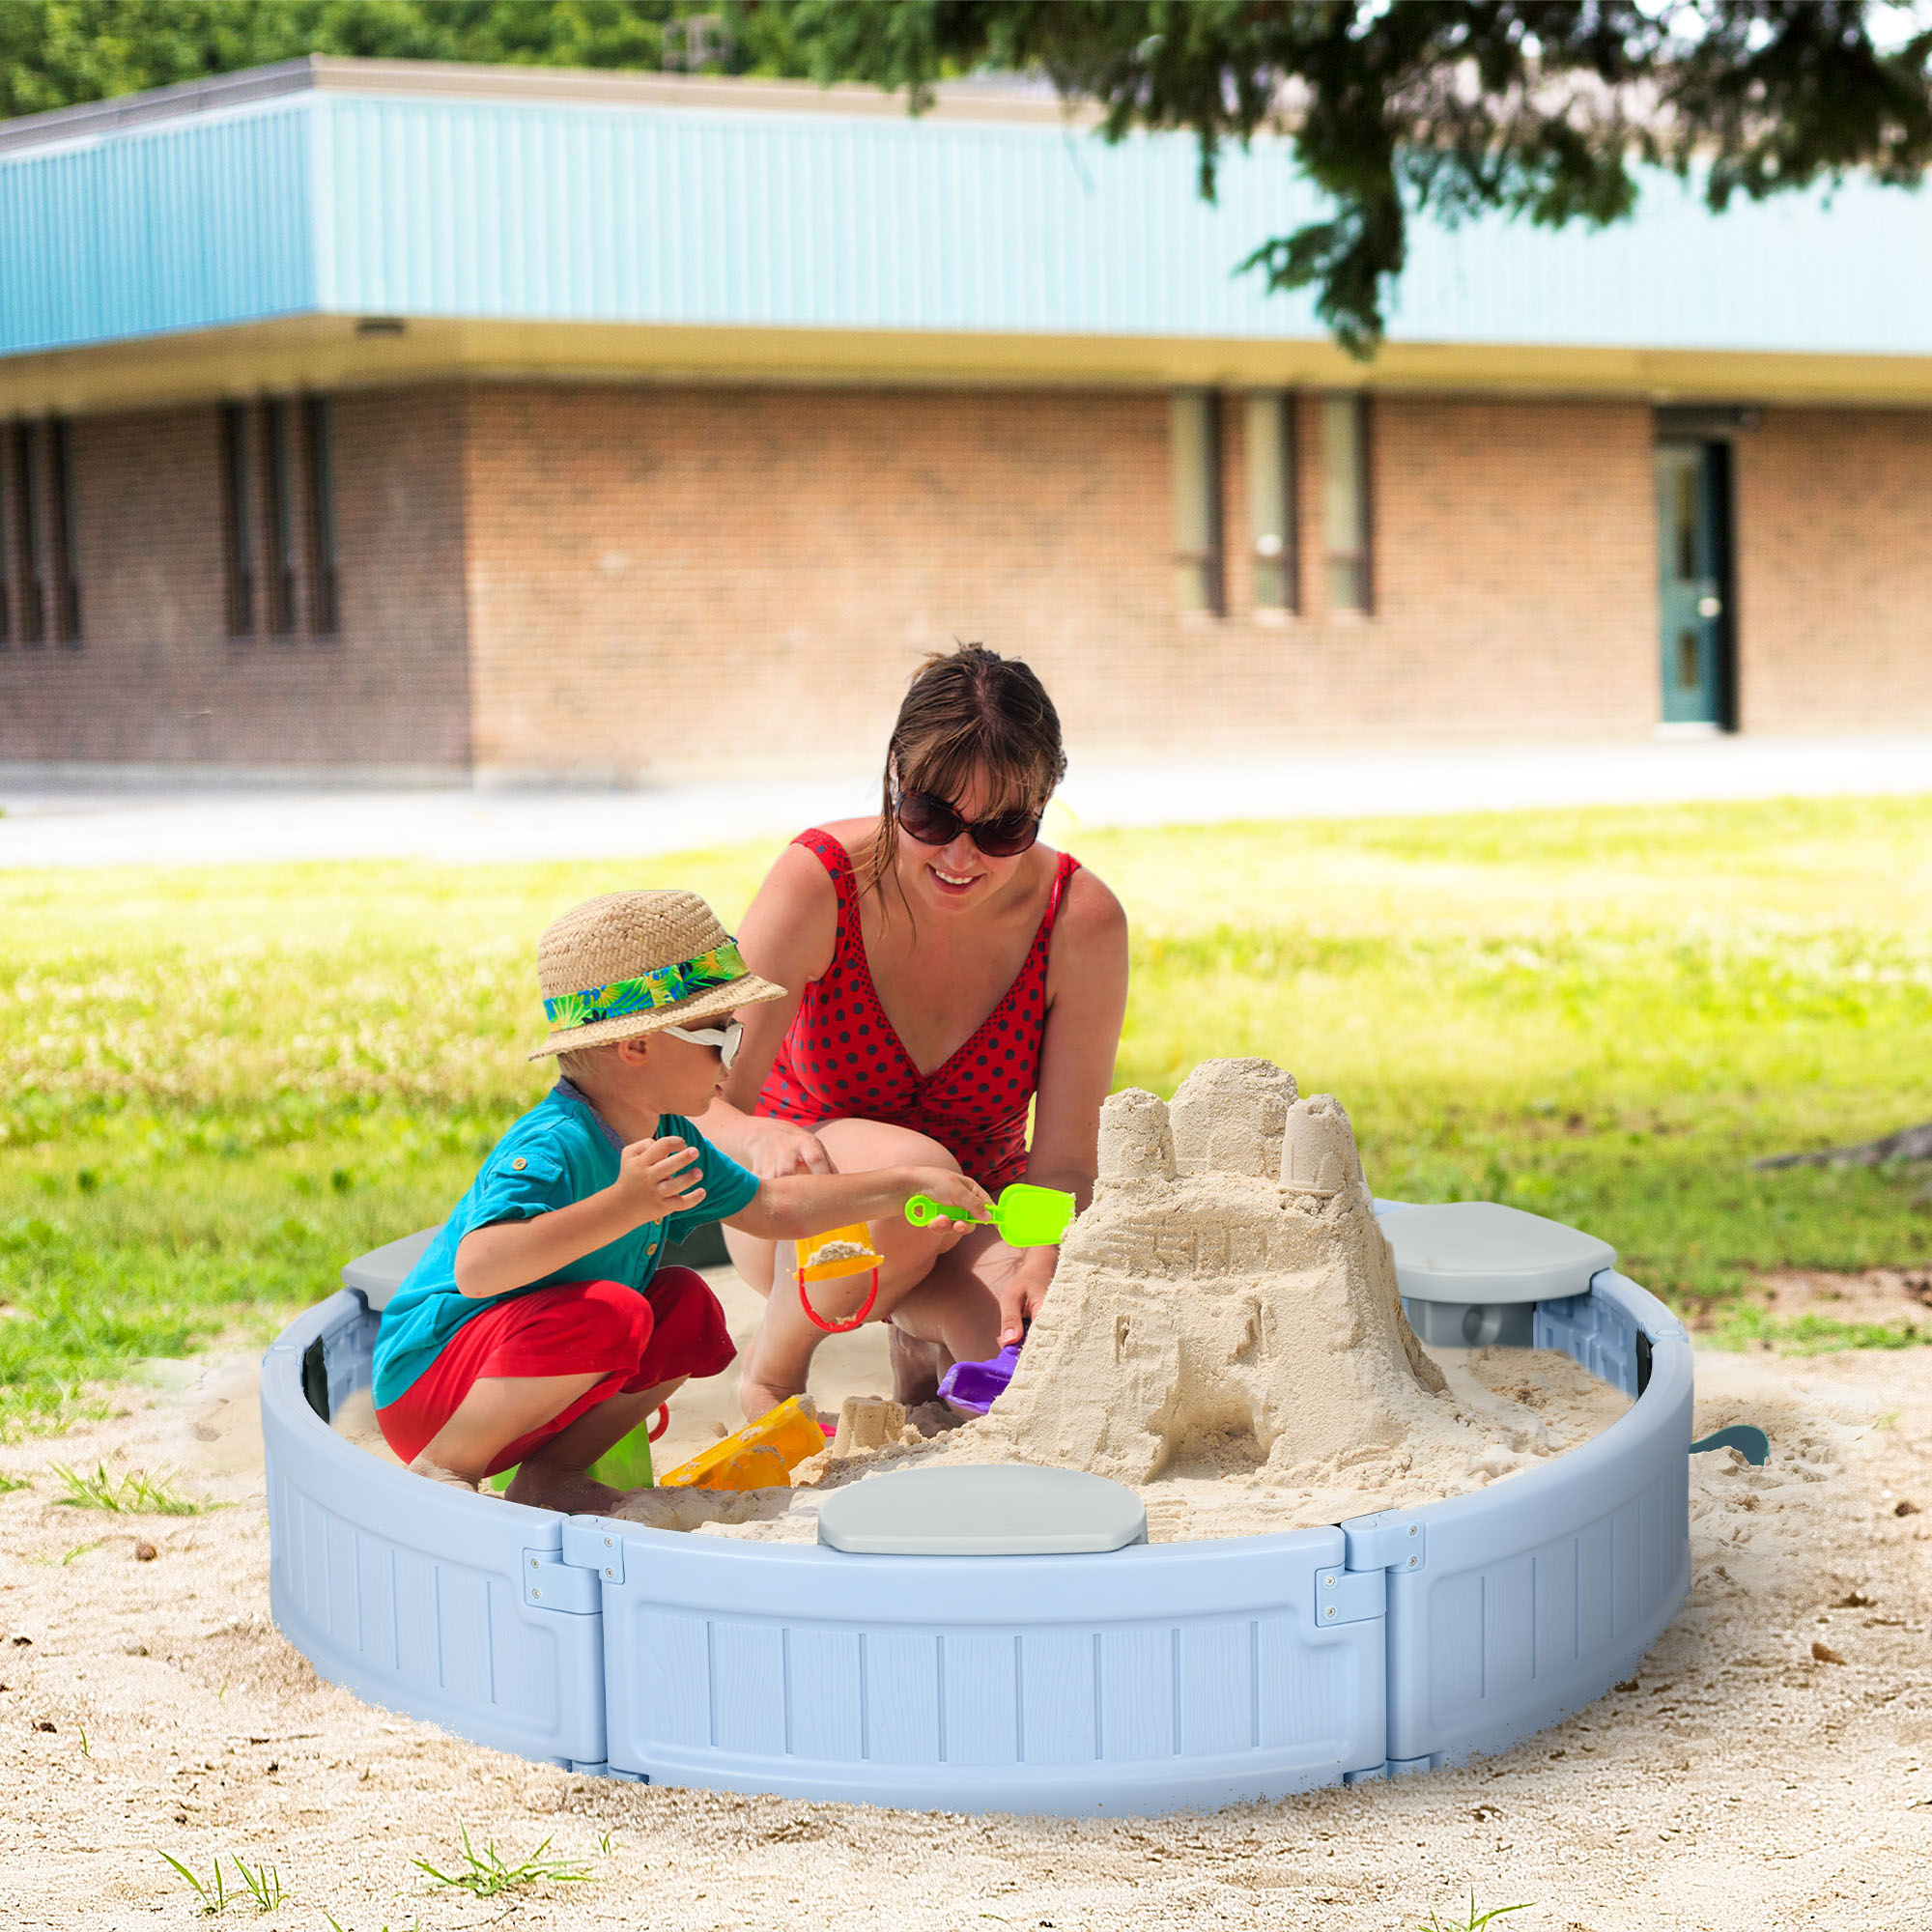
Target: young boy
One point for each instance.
(538, 1328)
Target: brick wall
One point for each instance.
(669, 579)
(1835, 571)
(623, 581)
(157, 678)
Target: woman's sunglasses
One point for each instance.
(929, 818)
(726, 1039)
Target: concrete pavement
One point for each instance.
(95, 819)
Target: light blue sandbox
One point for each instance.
(1140, 1680)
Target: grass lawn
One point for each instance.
(221, 1082)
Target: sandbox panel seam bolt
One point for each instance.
(1389, 1542)
(1350, 1596)
(595, 1543)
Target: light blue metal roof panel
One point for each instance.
(772, 220)
(1847, 271)
(165, 228)
(334, 202)
(781, 221)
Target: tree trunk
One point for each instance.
(1907, 1143)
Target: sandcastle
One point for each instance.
(1227, 1294)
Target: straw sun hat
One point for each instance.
(637, 962)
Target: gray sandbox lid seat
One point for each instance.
(377, 1275)
(997, 1509)
(1471, 1271)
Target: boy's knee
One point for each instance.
(615, 1317)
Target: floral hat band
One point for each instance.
(660, 986)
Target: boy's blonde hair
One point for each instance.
(580, 1060)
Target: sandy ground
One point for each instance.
(1898, 1297)
(1745, 1781)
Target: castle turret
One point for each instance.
(1317, 1149)
(1229, 1118)
(1136, 1140)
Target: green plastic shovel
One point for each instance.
(1026, 1216)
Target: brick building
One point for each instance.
(393, 417)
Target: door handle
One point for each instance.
(1710, 607)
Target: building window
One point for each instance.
(29, 562)
(1194, 438)
(6, 555)
(1347, 503)
(321, 611)
(278, 482)
(238, 542)
(61, 529)
(1271, 500)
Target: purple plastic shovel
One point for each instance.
(976, 1385)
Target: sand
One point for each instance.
(1225, 1335)
(1741, 1783)
(1508, 1408)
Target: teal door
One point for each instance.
(1690, 582)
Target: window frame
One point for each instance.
(324, 612)
(27, 535)
(1281, 478)
(1199, 528)
(6, 542)
(238, 537)
(1361, 559)
(278, 517)
(63, 527)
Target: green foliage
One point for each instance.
(264, 1883)
(1475, 1922)
(1740, 1327)
(484, 1874)
(261, 1885)
(132, 1492)
(1602, 1016)
(212, 1893)
(56, 52)
(1599, 1016)
(1533, 107)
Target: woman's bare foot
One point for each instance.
(757, 1397)
(936, 1418)
(691, 1509)
(570, 1491)
(917, 1367)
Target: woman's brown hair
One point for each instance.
(971, 710)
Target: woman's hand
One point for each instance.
(1019, 1278)
(772, 1147)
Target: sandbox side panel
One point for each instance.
(1136, 1680)
(1537, 1595)
(421, 1599)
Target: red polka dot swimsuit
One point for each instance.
(842, 1060)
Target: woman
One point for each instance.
(947, 969)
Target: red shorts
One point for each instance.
(636, 1341)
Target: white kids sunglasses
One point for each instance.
(726, 1039)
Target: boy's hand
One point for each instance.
(656, 1179)
(949, 1187)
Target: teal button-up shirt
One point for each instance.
(561, 1151)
